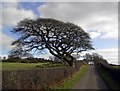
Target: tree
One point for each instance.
(51, 58)
(0, 58)
(97, 58)
(56, 59)
(28, 55)
(88, 57)
(60, 38)
(17, 53)
(76, 56)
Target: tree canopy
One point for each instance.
(95, 57)
(61, 39)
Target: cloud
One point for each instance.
(99, 16)
(61, 0)
(11, 13)
(0, 27)
(110, 54)
(2, 56)
(10, 0)
(94, 34)
(6, 41)
(45, 56)
(109, 35)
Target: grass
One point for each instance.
(69, 82)
(18, 66)
(117, 67)
(108, 80)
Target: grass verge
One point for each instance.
(111, 84)
(69, 82)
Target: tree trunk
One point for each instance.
(70, 63)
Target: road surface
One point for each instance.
(0, 80)
(91, 80)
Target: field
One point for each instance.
(117, 67)
(18, 66)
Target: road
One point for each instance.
(0, 80)
(91, 80)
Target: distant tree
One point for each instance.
(88, 57)
(0, 58)
(97, 58)
(4, 58)
(56, 59)
(60, 38)
(76, 56)
(51, 58)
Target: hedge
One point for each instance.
(114, 72)
(38, 78)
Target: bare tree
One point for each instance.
(60, 38)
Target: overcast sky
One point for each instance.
(99, 19)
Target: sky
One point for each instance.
(99, 19)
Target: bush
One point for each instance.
(27, 60)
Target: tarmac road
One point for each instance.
(91, 80)
(0, 80)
